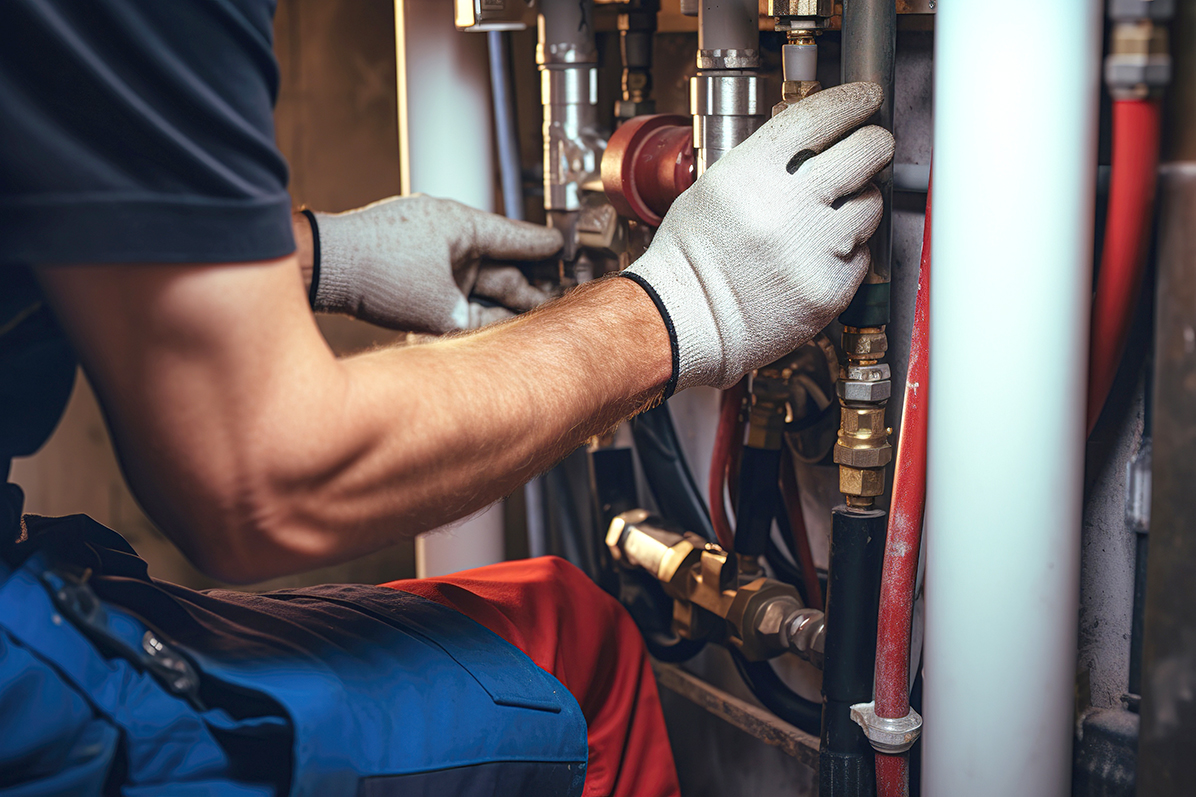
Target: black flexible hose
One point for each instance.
(673, 486)
(759, 499)
(768, 687)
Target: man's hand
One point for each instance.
(420, 263)
(771, 243)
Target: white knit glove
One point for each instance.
(413, 263)
(753, 260)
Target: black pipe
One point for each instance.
(668, 475)
(767, 686)
(846, 759)
(759, 499)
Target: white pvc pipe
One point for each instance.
(446, 149)
(1009, 336)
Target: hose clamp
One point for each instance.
(890, 735)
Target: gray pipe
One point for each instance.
(729, 25)
(566, 32)
(510, 170)
(869, 47)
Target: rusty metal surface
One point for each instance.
(1166, 764)
(751, 719)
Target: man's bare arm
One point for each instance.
(260, 453)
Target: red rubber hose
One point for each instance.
(791, 498)
(904, 537)
(724, 442)
(1136, 125)
(892, 775)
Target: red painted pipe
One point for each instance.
(1136, 125)
(904, 538)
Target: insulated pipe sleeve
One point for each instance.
(1012, 269)
(846, 757)
(799, 61)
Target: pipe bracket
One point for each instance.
(891, 735)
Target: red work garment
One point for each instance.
(567, 625)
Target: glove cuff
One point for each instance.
(334, 291)
(315, 256)
(670, 387)
(698, 358)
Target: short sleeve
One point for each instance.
(140, 131)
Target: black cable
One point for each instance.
(673, 486)
(672, 650)
(783, 568)
(778, 698)
(759, 499)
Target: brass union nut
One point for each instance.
(867, 343)
(868, 392)
(870, 457)
(861, 481)
(877, 372)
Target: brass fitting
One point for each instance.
(863, 438)
(1139, 61)
(864, 345)
(713, 596)
(769, 407)
(862, 449)
(816, 12)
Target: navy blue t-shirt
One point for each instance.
(131, 131)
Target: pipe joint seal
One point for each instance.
(728, 59)
(1139, 59)
(891, 735)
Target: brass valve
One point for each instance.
(715, 599)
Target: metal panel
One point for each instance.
(1166, 764)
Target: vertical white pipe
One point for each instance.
(1014, 168)
(446, 150)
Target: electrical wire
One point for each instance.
(673, 486)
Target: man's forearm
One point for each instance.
(261, 454)
(448, 427)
